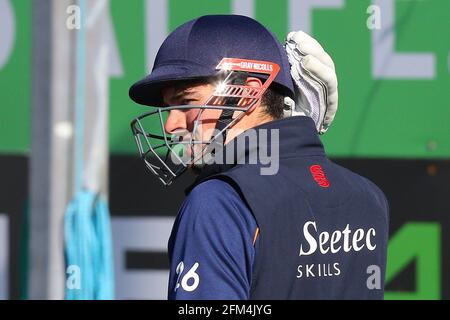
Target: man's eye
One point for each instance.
(187, 101)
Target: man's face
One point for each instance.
(181, 122)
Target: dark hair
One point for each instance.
(273, 103)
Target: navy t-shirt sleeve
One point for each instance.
(211, 247)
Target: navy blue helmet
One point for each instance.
(195, 49)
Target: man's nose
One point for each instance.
(175, 121)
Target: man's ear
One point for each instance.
(255, 83)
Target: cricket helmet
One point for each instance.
(230, 47)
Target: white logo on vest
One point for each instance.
(326, 243)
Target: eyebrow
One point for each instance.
(183, 93)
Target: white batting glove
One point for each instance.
(314, 74)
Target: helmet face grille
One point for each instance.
(167, 155)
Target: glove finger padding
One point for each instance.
(322, 71)
(309, 93)
(313, 72)
(307, 45)
(329, 78)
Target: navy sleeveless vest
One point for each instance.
(323, 228)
